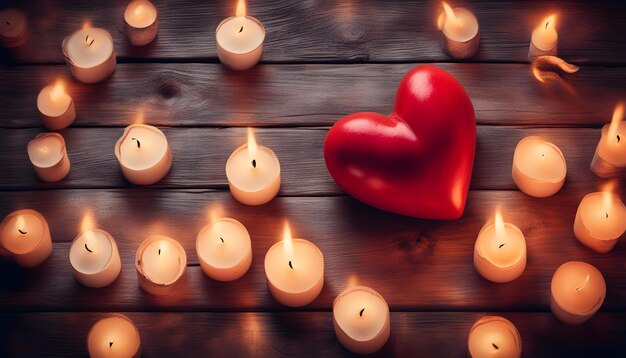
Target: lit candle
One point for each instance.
(295, 271)
(460, 31)
(609, 160)
(361, 320)
(224, 249)
(600, 220)
(500, 251)
(48, 156)
(141, 22)
(545, 39)
(114, 336)
(26, 236)
(161, 262)
(539, 167)
(94, 256)
(56, 107)
(90, 55)
(578, 290)
(12, 28)
(253, 173)
(495, 337)
(240, 40)
(144, 154)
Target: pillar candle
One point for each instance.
(500, 251)
(578, 290)
(224, 249)
(48, 156)
(240, 40)
(144, 154)
(494, 337)
(545, 39)
(114, 336)
(600, 221)
(361, 320)
(609, 161)
(56, 107)
(295, 271)
(460, 31)
(12, 28)
(539, 167)
(90, 55)
(141, 20)
(160, 262)
(26, 236)
(253, 173)
(95, 259)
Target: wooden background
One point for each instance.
(323, 59)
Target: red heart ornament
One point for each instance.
(418, 160)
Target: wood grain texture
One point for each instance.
(337, 30)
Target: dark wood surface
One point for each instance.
(322, 60)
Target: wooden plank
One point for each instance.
(303, 334)
(419, 264)
(590, 32)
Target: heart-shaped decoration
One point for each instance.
(418, 160)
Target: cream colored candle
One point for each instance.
(144, 154)
(539, 167)
(56, 107)
(609, 160)
(48, 156)
(600, 221)
(12, 28)
(94, 257)
(141, 22)
(500, 251)
(90, 54)
(253, 173)
(578, 290)
(545, 39)
(224, 249)
(26, 236)
(240, 40)
(361, 320)
(460, 31)
(295, 271)
(114, 337)
(494, 337)
(160, 262)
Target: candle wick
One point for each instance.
(547, 22)
(8, 23)
(138, 142)
(494, 346)
(159, 252)
(361, 313)
(501, 245)
(618, 138)
(110, 344)
(290, 265)
(606, 215)
(22, 232)
(86, 248)
(254, 163)
(221, 239)
(241, 29)
(87, 40)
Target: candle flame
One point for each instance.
(87, 224)
(618, 114)
(253, 148)
(57, 91)
(581, 286)
(352, 281)
(241, 8)
(19, 223)
(448, 11)
(287, 240)
(86, 24)
(140, 118)
(549, 22)
(607, 196)
(499, 223)
(215, 211)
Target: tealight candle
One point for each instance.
(494, 337)
(539, 167)
(95, 259)
(361, 320)
(240, 40)
(48, 156)
(160, 262)
(460, 31)
(141, 22)
(26, 236)
(90, 54)
(295, 271)
(609, 161)
(12, 28)
(144, 154)
(578, 290)
(114, 336)
(500, 251)
(224, 249)
(544, 40)
(56, 107)
(253, 173)
(600, 221)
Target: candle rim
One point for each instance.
(208, 227)
(116, 315)
(20, 25)
(69, 59)
(532, 139)
(111, 242)
(45, 92)
(142, 2)
(617, 202)
(182, 265)
(7, 219)
(516, 229)
(602, 145)
(367, 290)
(276, 246)
(487, 319)
(260, 149)
(595, 271)
(254, 19)
(118, 144)
(41, 136)
(473, 19)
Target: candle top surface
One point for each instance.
(604, 220)
(540, 160)
(361, 312)
(140, 13)
(46, 150)
(613, 149)
(88, 47)
(162, 260)
(114, 336)
(240, 34)
(22, 231)
(53, 101)
(545, 36)
(12, 23)
(504, 249)
(463, 27)
(307, 266)
(245, 176)
(235, 246)
(141, 147)
(91, 251)
(494, 336)
(578, 287)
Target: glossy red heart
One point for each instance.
(418, 160)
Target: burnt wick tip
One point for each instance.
(361, 313)
(159, 252)
(501, 245)
(22, 232)
(494, 346)
(254, 163)
(110, 344)
(618, 138)
(606, 215)
(221, 239)
(87, 248)
(138, 142)
(241, 29)
(290, 264)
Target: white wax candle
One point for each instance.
(578, 290)
(544, 40)
(610, 157)
(500, 251)
(224, 249)
(539, 167)
(48, 156)
(89, 54)
(56, 107)
(460, 30)
(361, 320)
(253, 173)
(26, 236)
(12, 28)
(95, 259)
(494, 337)
(160, 262)
(141, 21)
(600, 221)
(114, 337)
(144, 154)
(240, 40)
